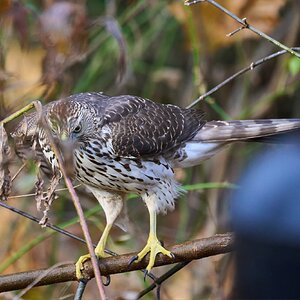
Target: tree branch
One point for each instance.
(239, 73)
(218, 244)
(245, 25)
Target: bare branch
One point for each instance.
(245, 25)
(218, 244)
(249, 68)
(157, 283)
(53, 227)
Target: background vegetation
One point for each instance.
(169, 53)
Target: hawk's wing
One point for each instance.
(140, 127)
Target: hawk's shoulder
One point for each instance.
(140, 127)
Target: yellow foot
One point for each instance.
(154, 247)
(79, 266)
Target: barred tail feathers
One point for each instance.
(215, 135)
(226, 131)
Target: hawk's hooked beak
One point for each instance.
(64, 136)
(66, 147)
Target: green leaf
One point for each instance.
(294, 65)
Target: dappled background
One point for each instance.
(164, 51)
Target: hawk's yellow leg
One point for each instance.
(99, 251)
(153, 244)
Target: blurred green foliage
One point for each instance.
(156, 49)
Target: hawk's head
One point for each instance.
(70, 120)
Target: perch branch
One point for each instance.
(217, 244)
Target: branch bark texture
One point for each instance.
(218, 244)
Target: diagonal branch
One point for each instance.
(157, 283)
(217, 244)
(75, 198)
(244, 70)
(245, 25)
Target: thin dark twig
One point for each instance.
(245, 24)
(62, 231)
(80, 289)
(238, 29)
(163, 278)
(158, 289)
(249, 68)
(33, 194)
(53, 227)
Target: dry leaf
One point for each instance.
(26, 144)
(39, 192)
(5, 178)
(47, 198)
(112, 26)
(22, 82)
(5, 7)
(63, 33)
(19, 15)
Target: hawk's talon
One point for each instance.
(146, 272)
(107, 282)
(79, 266)
(99, 252)
(132, 260)
(153, 247)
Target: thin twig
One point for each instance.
(238, 29)
(40, 277)
(37, 220)
(17, 173)
(163, 278)
(38, 107)
(217, 244)
(249, 68)
(80, 290)
(60, 230)
(245, 25)
(17, 113)
(33, 194)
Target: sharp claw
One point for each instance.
(132, 260)
(145, 274)
(107, 282)
(80, 267)
(172, 255)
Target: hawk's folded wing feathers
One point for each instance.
(140, 127)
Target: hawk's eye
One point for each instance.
(77, 129)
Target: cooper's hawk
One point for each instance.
(128, 144)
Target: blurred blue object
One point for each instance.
(268, 201)
(266, 221)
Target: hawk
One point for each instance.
(127, 144)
